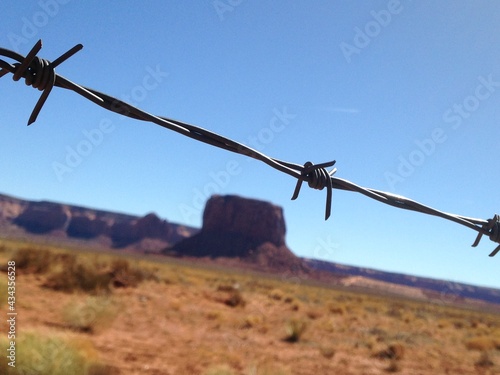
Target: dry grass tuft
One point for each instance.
(393, 351)
(33, 260)
(394, 366)
(327, 351)
(276, 294)
(294, 329)
(484, 361)
(90, 315)
(335, 308)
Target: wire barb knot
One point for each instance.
(492, 229)
(317, 177)
(40, 74)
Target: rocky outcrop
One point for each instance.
(121, 230)
(42, 217)
(86, 227)
(248, 229)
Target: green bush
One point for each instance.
(37, 354)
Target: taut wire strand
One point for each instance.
(40, 74)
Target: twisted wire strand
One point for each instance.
(40, 74)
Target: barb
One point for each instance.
(40, 74)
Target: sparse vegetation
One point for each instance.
(114, 315)
(48, 354)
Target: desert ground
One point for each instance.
(82, 312)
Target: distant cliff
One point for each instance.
(74, 222)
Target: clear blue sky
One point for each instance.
(403, 94)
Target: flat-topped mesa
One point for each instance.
(258, 220)
(242, 229)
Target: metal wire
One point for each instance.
(40, 74)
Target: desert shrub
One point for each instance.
(394, 366)
(314, 314)
(251, 321)
(335, 308)
(294, 329)
(37, 354)
(230, 295)
(393, 351)
(78, 276)
(90, 315)
(213, 315)
(32, 260)
(276, 294)
(327, 351)
(96, 277)
(124, 275)
(234, 299)
(484, 361)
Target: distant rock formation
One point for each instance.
(86, 227)
(42, 217)
(248, 229)
(257, 220)
(73, 222)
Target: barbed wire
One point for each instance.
(40, 74)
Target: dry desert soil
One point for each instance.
(121, 314)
